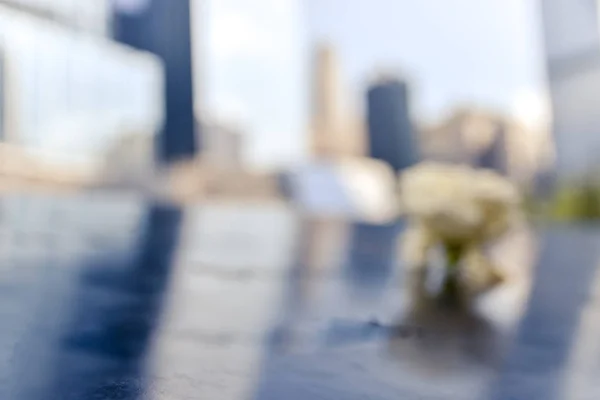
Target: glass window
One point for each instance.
(2, 98)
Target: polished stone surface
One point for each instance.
(114, 298)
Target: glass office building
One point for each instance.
(2, 94)
(92, 16)
(70, 93)
(572, 41)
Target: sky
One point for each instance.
(254, 74)
(454, 52)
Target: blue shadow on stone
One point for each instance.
(428, 336)
(365, 271)
(298, 280)
(116, 308)
(371, 257)
(562, 284)
(343, 332)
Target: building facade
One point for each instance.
(2, 97)
(163, 28)
(326, 108)
(496, 156)
(91, 16)
(223, 146)
(572, 45)
(487, 140)
(390, 130)
(336, 129)
(70, 93)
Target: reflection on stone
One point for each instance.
(451, 333)
(461, 336)
(264, 325)
(102, 349)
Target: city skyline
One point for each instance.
(485, 54)
(261, 80)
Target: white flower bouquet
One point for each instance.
(460, 209)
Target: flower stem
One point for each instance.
(450, 294)
(454, 253)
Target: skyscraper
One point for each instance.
(336, 129)
(163, 27)
(391, 137)
(326, 111)
(572, 45)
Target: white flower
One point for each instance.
(456, 206)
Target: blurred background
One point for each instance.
(198, 197)
(223, 98)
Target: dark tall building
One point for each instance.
(391, 137)
(495, 156)
(163, 27)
